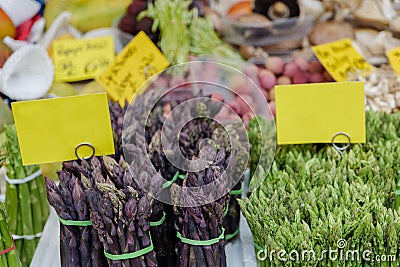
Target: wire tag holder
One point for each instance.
(83, 144)
(343, 148)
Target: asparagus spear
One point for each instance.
(3, 258)
(68, 234)
(83, 215)
(11, 258)
(44, 204)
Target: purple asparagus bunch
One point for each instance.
(79, 244)
(193, 124)
(121, 218)
(202, 223)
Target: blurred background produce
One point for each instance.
(86, 15)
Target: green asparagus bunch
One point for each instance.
(313, 199)
(261, 137)
(26, 203)
(315, 203)
(9, 256)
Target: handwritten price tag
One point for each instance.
(49, 130)
(137, 62)
(394, 59)
(82, 59)
(314, 113)
(339, 58)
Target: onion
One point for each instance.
(267, 78)
(316, 78)
(236, 107)
(272, 95)
(251, 71)
(284, 80)
(218, 97)
(275, 64)
(247, 51)
(245, 103)
(315, 67)
(248, 116)
(299, 78)
(302, 63)
(327, 76)
(290, 69)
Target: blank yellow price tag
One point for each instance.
(82, 59)
(137, 62)
(339, 58)
(394, 59)
(314, 113)
(50, 130)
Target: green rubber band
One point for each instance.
(226, 210)
(169, 183)
(131, 255)
(159, 222)
(398, 192)
(258, 247)
(74, 223)
(230, 236)
(201, 242)
(176, 176)
(237, 192)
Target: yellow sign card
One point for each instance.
(339, 58)
(52, 130)
(137, 62)
(82, 59)
(314, 113)
(394, 59)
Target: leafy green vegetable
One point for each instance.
(184, 32)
